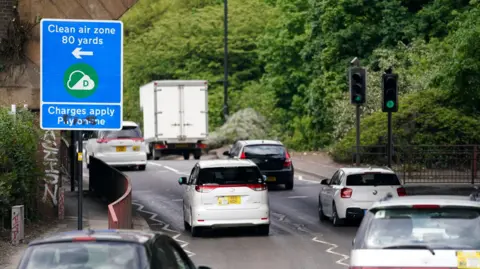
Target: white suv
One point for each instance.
(225, 193)
(351, 191)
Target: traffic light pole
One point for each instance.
(389, 139)
(357, 155)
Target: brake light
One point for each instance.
(288, 161)
(102, 140)
(140, 139)
(83, 239)
(242, 156)
(159, 146)
(201, 146)
(346, 193)
(425, 206)
(401, 192)
(209, 188)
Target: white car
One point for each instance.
(118, 148)
(424, 231)
(351, 191)
(225, 193)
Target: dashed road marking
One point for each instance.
(297, 197)
(330, 250)
(165, 227)
(171, 169)
(306, 180)
(157, 164)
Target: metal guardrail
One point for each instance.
(115, 187)
(452, 164)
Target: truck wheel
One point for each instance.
(186, 155)
(155, 156)
(197, 155)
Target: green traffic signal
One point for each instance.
(358, 98)
(390, 104)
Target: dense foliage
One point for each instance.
(288, 61)
(19, 169)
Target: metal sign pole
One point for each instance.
(357, 157)
(79, 162)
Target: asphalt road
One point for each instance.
(297, 238)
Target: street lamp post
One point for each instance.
(225, 60)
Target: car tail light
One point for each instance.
(102, 140)
(242, 156)
(346, 193)
(401, 192)
(201, 146)
(425, 206)
(140, 139)
(209, 188)
(83, 239)
(288, 161)
(159, 146)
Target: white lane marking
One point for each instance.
(297, 197)
(157, 164)
(171, 169)
(307, 180)
(165, 227)
(330, 250)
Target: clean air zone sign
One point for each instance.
(81, 74)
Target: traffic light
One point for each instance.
(390, 93)
(358, 85)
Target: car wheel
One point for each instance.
(195, 231)
(142, 167)
(186, 155)
(335, 219)
(289, 185)
(263, 229)
(321, 216)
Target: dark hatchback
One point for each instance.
(270, 156)
(115, 249)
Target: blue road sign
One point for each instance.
(81, 69)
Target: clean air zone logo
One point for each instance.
(80, 80)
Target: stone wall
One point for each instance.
(6, 12)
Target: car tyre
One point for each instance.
(264, 230)
(186, 155)
(335, 219)
(321, 216)
(289, 185)
(197, 155)
(142, 167)
(195, 231)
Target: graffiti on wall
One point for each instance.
(50, 161)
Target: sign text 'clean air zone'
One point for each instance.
(81, 74)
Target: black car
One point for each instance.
(270, 156)
(105, 249)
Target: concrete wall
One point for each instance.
(6, 12)
(21, 84)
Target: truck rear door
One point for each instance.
(167, 107)
(195, 109)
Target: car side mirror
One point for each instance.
(324, 182)
(226, 153)
(203, 267)
(264, 178)
(182, 181)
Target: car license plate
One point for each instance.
(181, 145)
(468, 259)
(121, 149)
(136, 148)
(229, 200)
(271, 179)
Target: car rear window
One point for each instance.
(437, 228)
(126, 132)
(372, 179)
(84, 255)
(264, 150)
(230, 175)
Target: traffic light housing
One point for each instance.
(390, 93)
(358, 85)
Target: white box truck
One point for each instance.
(175, 117)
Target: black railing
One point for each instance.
(105, 180)
(66, 159)
(457, 164)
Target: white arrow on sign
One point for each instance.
(78, 53)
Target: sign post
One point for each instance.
(81, 84)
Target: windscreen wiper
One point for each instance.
(411, 247)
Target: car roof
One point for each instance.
(226, 163)
(128, 236)
(441, 200)
(129, 123)
(260, 142)
(361, 170)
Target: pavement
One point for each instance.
(95, 216)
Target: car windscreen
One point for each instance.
(372, 179)
(264, 150)
(436, 228)
(230, 175)
(126, 132)
(105, 255)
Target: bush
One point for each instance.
(244, 124)
(424, 118)
(19, 169)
